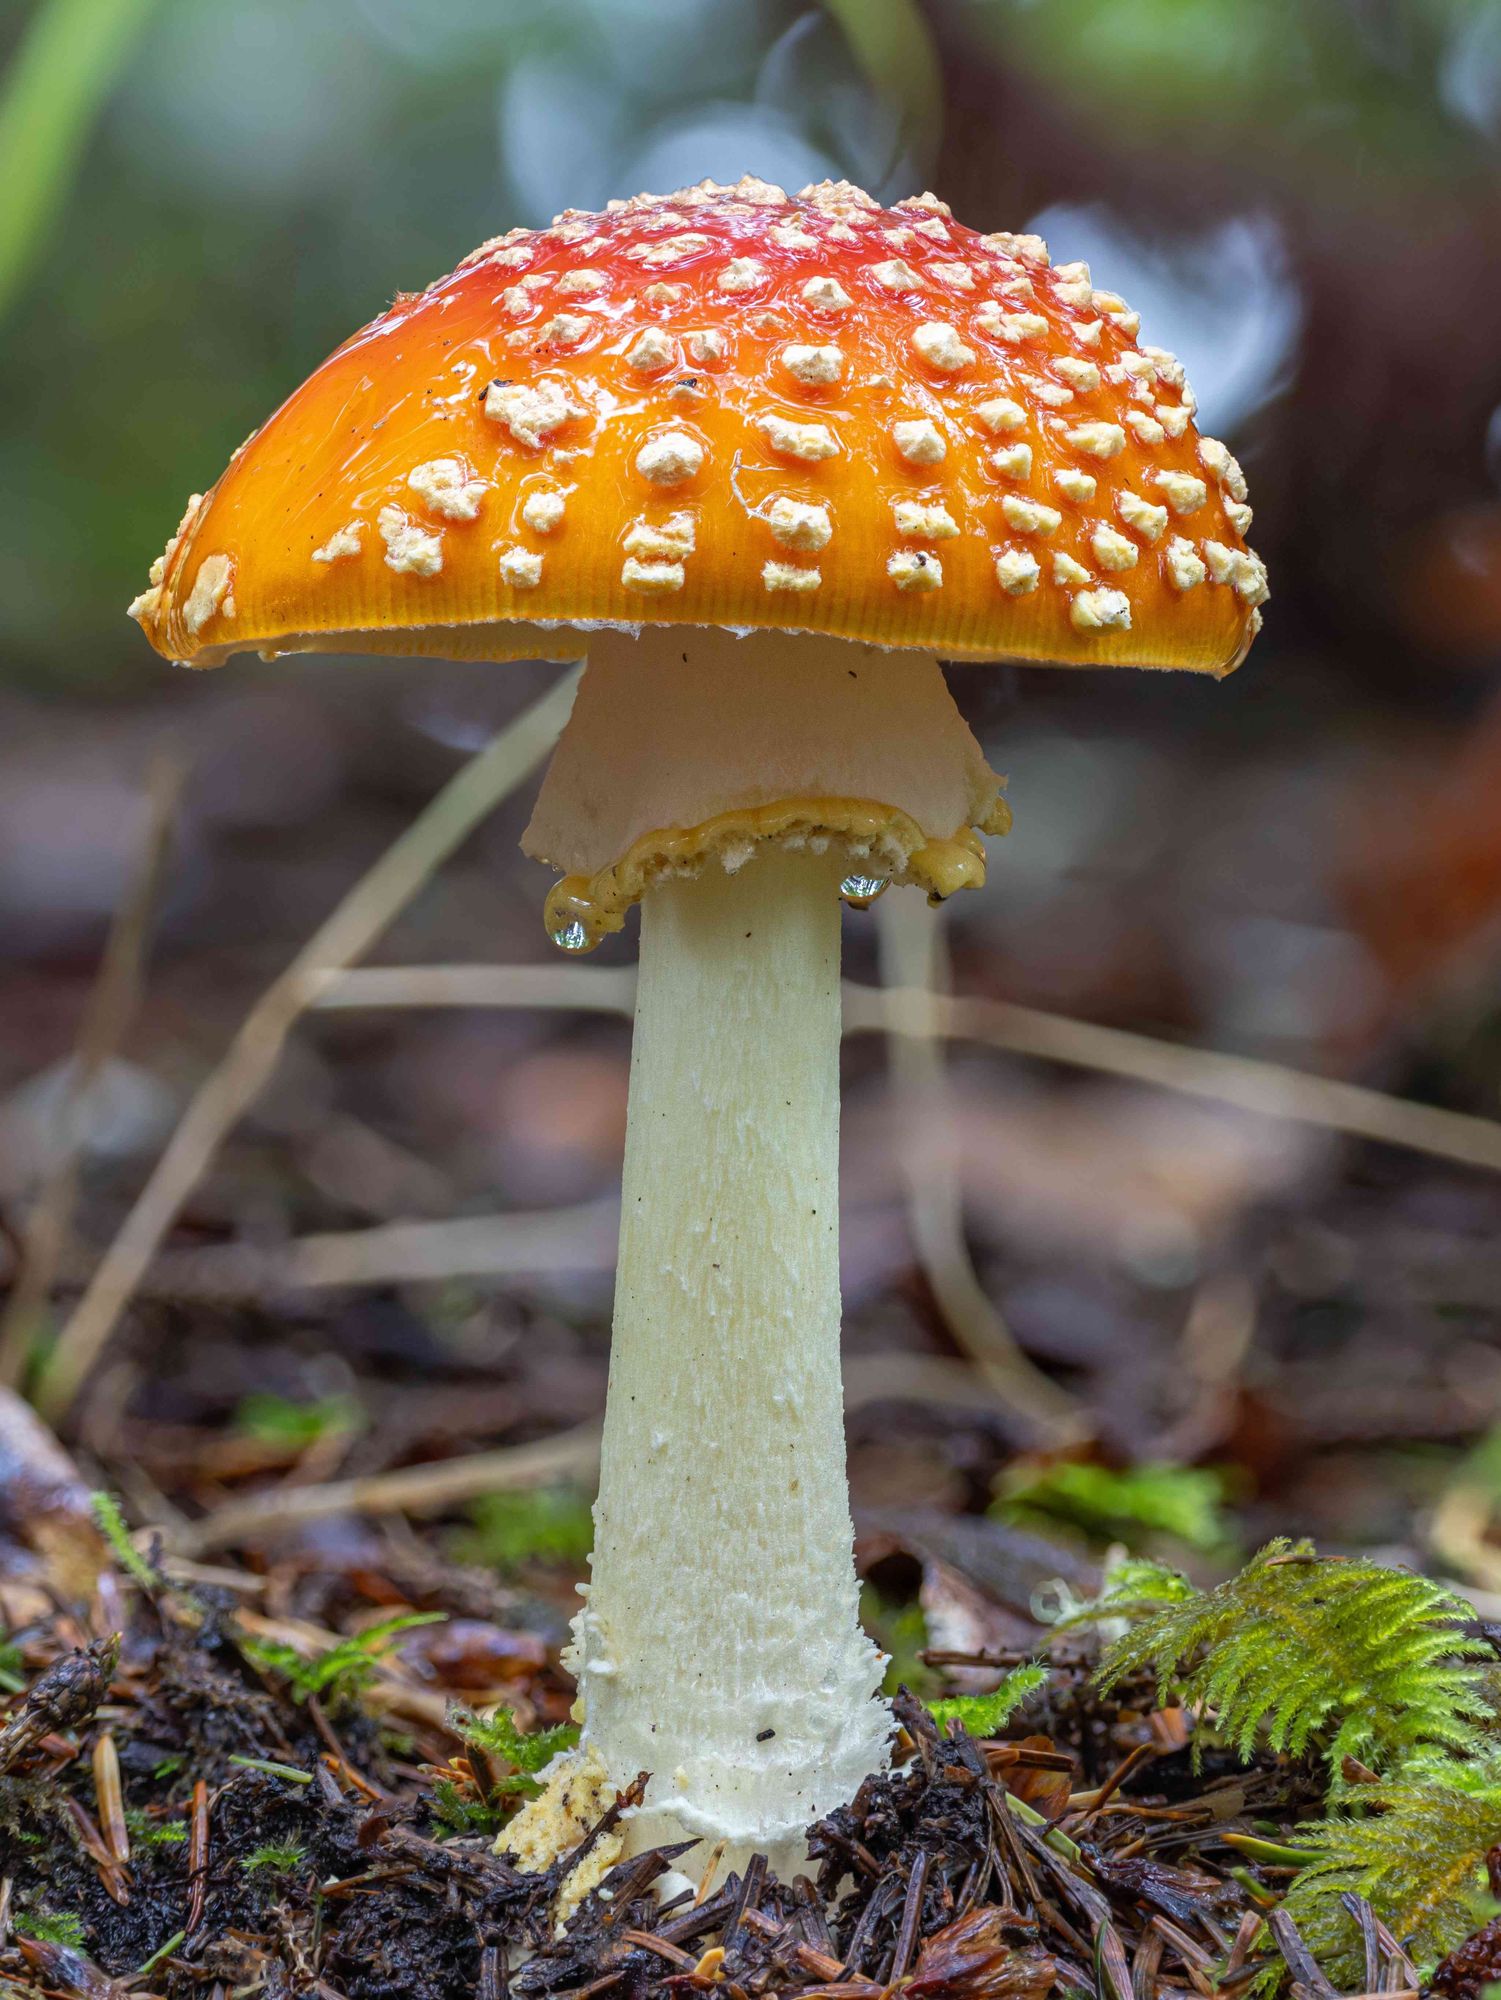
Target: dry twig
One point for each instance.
(580, 989)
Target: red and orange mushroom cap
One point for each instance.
(735, 408)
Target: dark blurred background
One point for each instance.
(1300, 866)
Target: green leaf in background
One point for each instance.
(277, 1420)
(891, 42)
(50, 98)
(901, 1632)
(1186, 73)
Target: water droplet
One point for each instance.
(571, 936)
(862, 889)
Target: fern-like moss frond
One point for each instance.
(1416, 1851)
(495, 1732)
(985, 1714)
(1346, 1655)
(1133, 1589)
(50, 1927)
(343, 1669)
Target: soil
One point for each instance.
(262, 1838)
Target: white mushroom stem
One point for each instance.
(720, 1648)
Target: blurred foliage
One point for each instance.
(70, 57)
(292, 1426)
(1134, 1506)
(1371, 91)
(893, 46)
(901, 1632)
(538, 1524)
(1480, 1466)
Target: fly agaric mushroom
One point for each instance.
(765, 461)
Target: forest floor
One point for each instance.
(225, 1796)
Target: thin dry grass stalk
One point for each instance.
(906, 1009)
(107, 1018)
(522, 1243)
(414, 1489)
(1270, 1090)
(579, 989)
(569, 1455)
(915, 966)
(347, 934)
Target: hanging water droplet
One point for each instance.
(862, 889)
(571, 936)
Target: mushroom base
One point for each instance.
(720, 1648)
(688, 747)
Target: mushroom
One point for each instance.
(764, 460)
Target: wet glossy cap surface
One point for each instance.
(731, 407)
